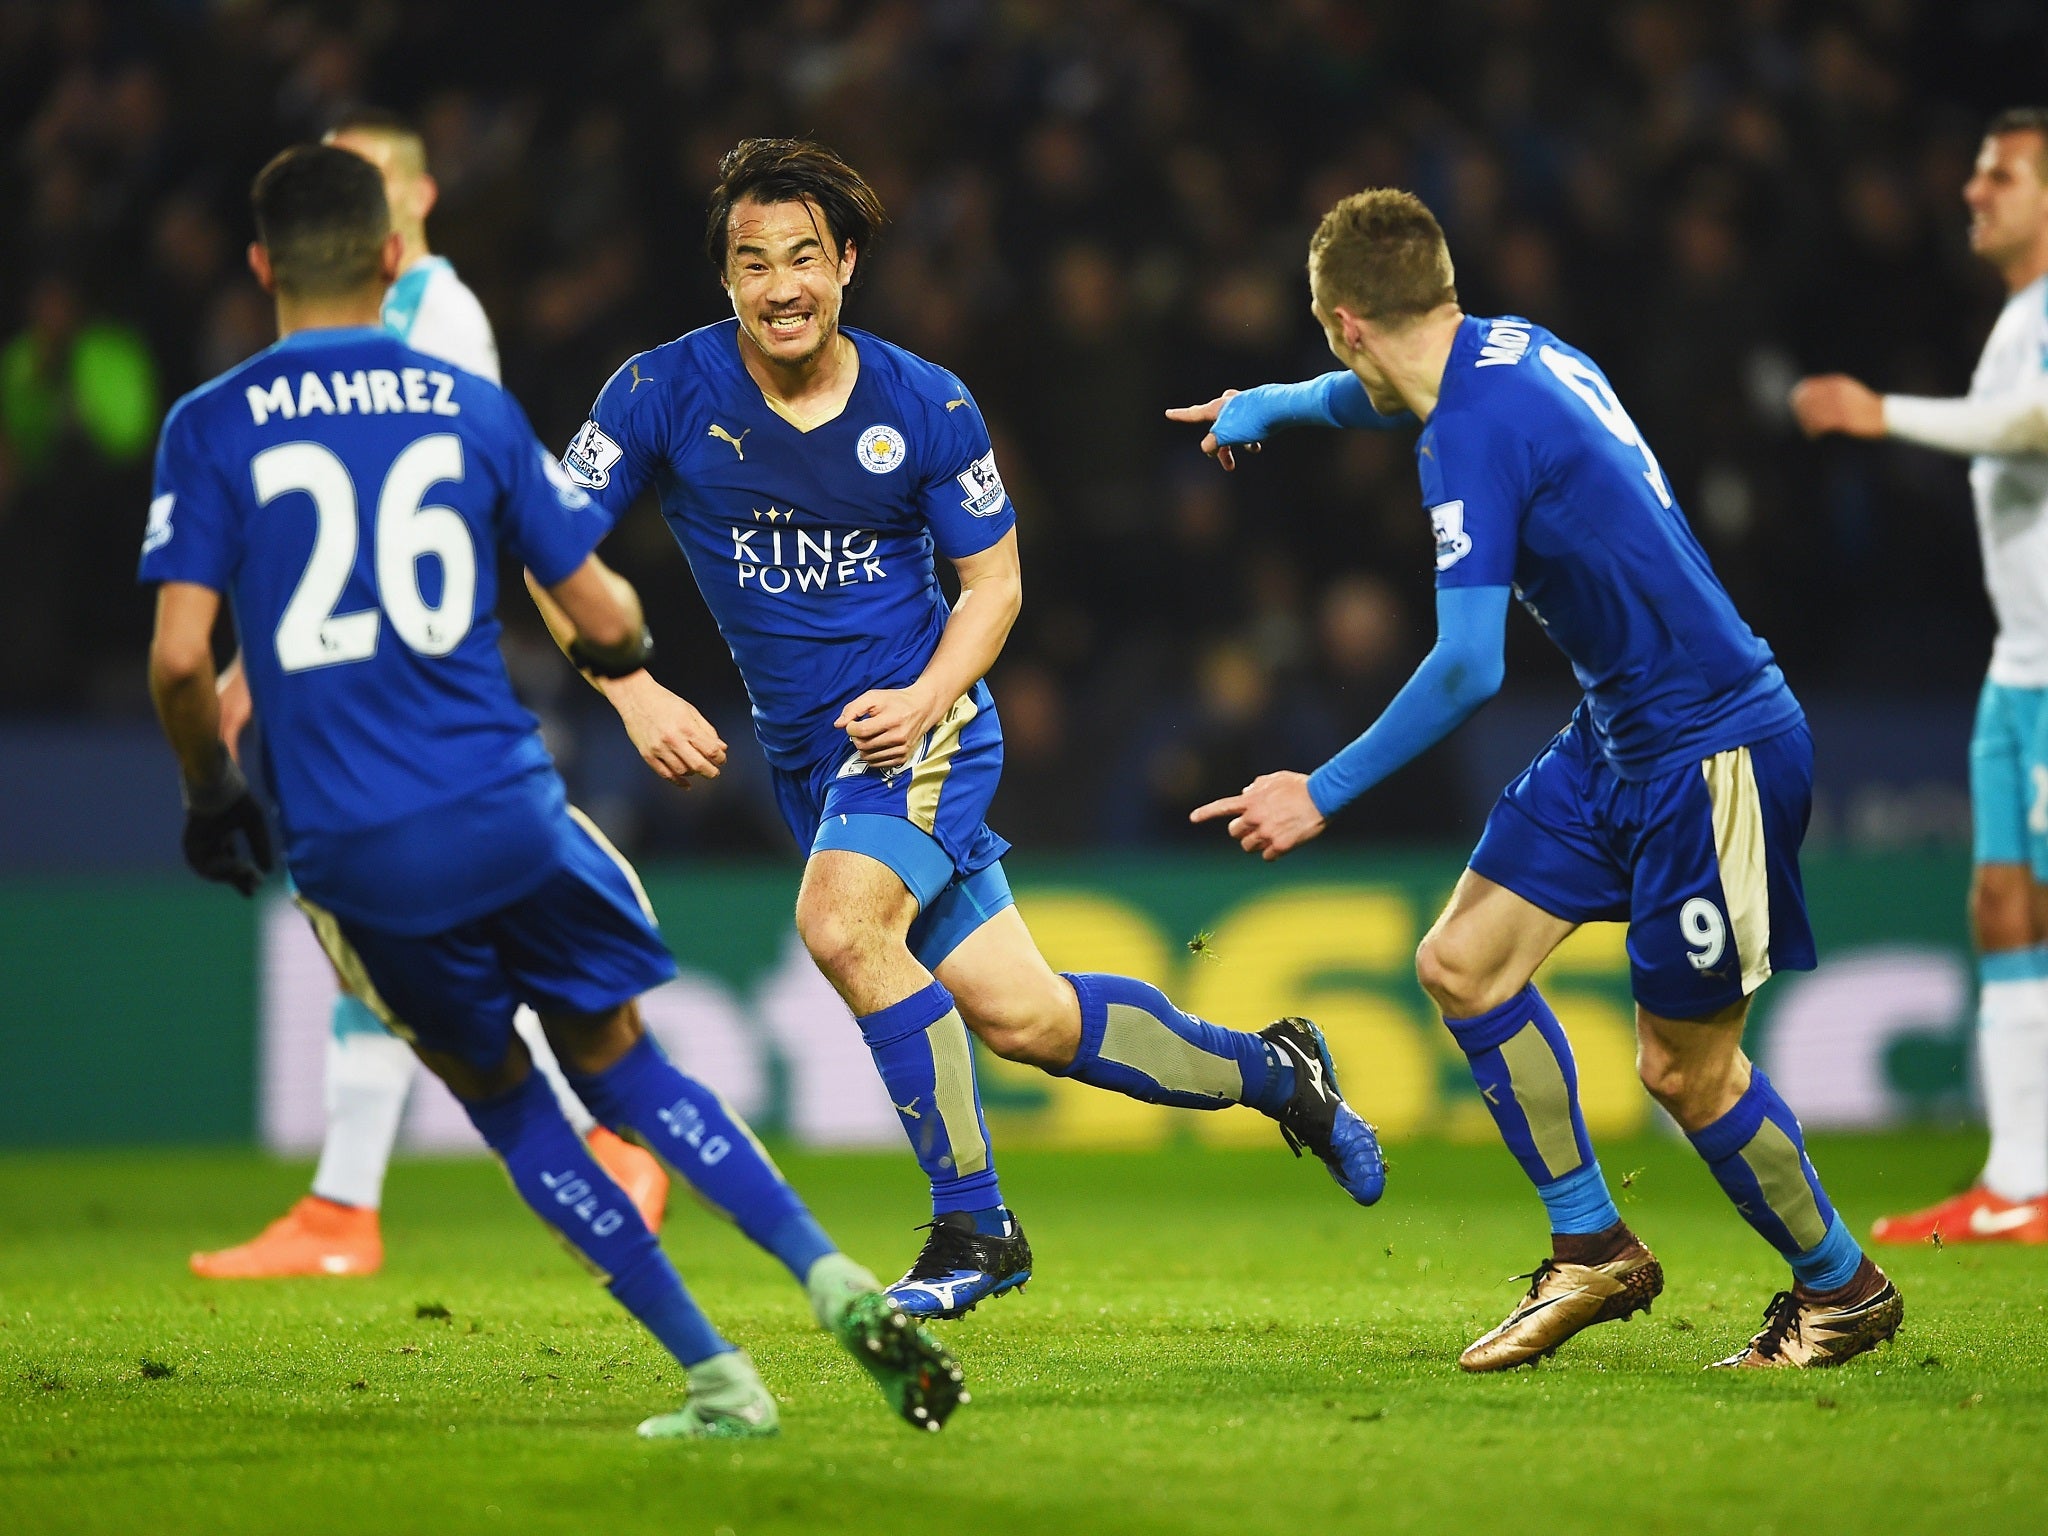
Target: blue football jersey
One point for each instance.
(351, 497)
(1536, 479)
(814, 550)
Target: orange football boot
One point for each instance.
(635, 1170)
(314, 1237)
(1974, 1216)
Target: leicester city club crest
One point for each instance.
(880, 449)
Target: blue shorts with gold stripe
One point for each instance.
(584, 942)
(1702, 863)
(926, 821)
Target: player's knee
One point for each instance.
(1694, 1091)
(589, 1043)
(841, 942)
(1663, 1075)
(1453, 982)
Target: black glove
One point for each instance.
(622, 661)
(214, 813)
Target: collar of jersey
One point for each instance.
(1471, 330)
(866, 343)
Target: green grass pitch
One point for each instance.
(1218, 1342)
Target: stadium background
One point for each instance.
(1099, 210)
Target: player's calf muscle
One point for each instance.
(1016, 1004)
(1039, 1029)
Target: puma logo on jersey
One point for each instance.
(637, 380)
(726, 437)
(954, 405)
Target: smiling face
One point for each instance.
(785, 280)
(2007, 199)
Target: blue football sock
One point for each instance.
(555, 1174)
(1758, 1154)
(1135, 1042)
(689, 1127)
(926, 1059)
(1523, 1065)
(1579, 1202)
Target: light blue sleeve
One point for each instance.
(401, 307)
(1333, 400)
(1461, 672)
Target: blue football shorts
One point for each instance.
(926, 821)
(2009, 777)
(1702, 863)
(583, 942)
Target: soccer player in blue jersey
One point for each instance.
(335, 1229)
(811, 473)
(351, 496)
(1675, 800)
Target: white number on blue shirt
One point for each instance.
(310, 633)
(1591, 388)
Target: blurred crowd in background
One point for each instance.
(1100, 208)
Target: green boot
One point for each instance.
(727, 1401)
(916, 1373)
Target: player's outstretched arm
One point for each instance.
(669, 733)
(885, 724)
(1242, 419)
(218, 805)
(2013, 422)
(1280, 811)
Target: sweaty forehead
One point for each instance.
(776, 225)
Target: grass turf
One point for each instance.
(1218, 1341)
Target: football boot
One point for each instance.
(1974, 1216)
(1317, 1118)
(960, 1267)
(314, 1237)
(1805, 1329)
(1563, 1299)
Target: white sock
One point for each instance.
(369, 1070)
(2012, 1063)
(527, 1022)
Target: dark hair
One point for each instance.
(2020, 120)
(321, 214)
(793, 171)
(1382, 253)
(2024, 120)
